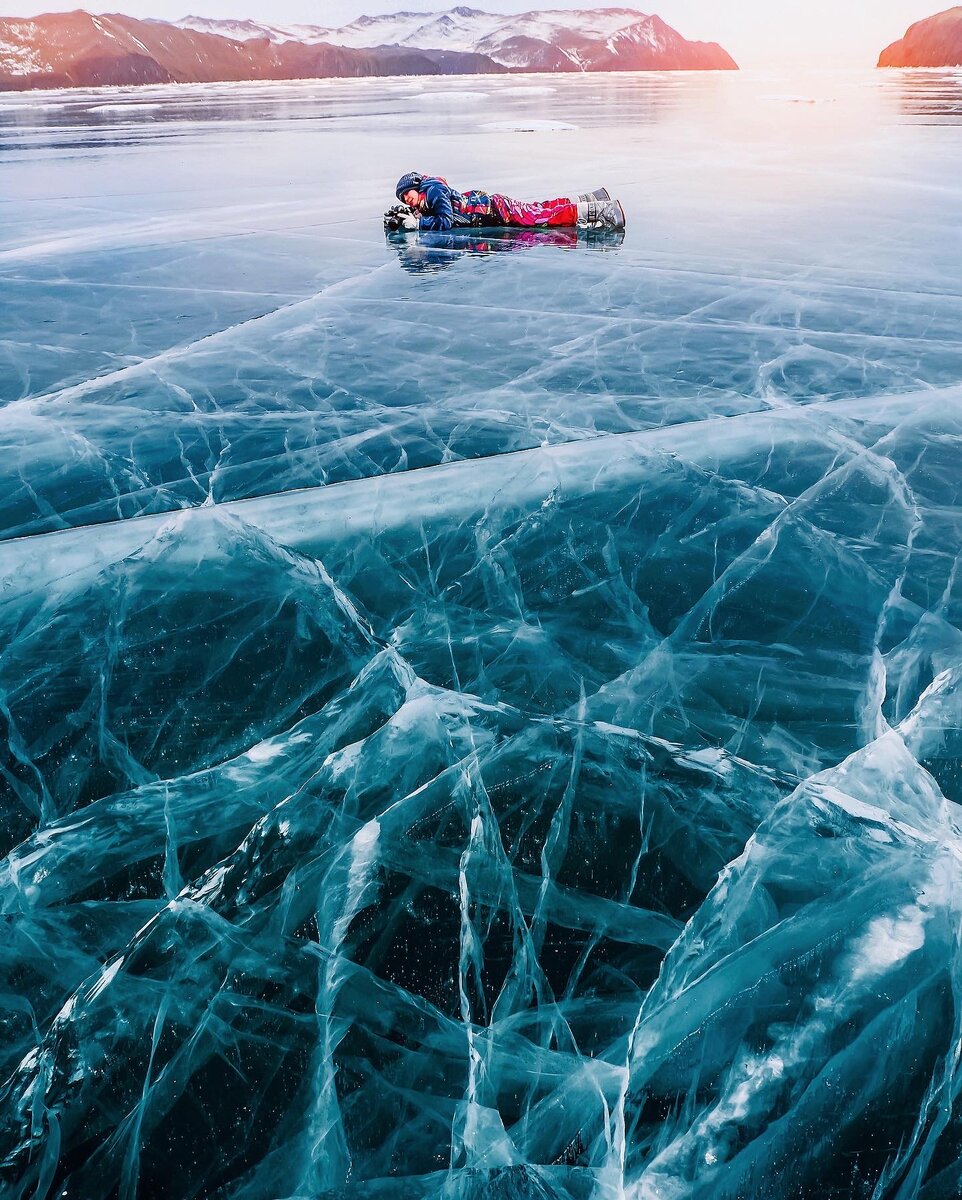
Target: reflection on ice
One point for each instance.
(480, 717)
(436, 251)
(931, 96)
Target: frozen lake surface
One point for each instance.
(480, 717)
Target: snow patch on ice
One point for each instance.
(440, 97)
(887, 942)
(799, 99)
(122, 106)
(527, 126)
(265, 752)
(521, 90)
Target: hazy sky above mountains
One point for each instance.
(754, 31)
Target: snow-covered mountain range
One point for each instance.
(81, 49)
(579, 39)
(461, 28)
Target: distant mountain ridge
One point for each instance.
(603, 39)
(934, 42)
(80, 49)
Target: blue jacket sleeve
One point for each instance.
(440, 214)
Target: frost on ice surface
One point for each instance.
(480, 715)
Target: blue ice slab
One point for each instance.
(332, 387)
(481, 716)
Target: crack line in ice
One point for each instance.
(386, 499)
(175, 353)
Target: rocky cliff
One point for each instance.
(934, 42)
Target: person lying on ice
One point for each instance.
(435, 205)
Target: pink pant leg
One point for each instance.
(540, 212)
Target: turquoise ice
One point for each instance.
(481, 719)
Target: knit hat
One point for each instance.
(406, 183)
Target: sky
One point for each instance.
(755, 32)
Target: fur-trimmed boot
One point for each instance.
(597, 194)
(601, 214)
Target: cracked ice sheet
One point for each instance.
(147, 301)
(306, 395)
(574, 817)
(242, 336)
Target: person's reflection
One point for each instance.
(425, 252)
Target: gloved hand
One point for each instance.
(400, 217)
